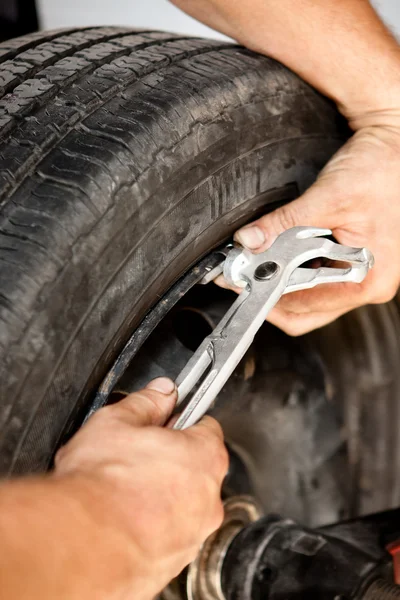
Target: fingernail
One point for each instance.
(251, 237)
(162, 384)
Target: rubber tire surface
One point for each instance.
(125, 156)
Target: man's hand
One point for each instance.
(128, 507)
(357, 195)
(343, 49)
(165, 484)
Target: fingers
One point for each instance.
(299, 324)
(207, 434)
(151, 406)
(314, 208)
(154, 405)
(324, 298)
(319, 206)
(208, 427)
(327, 298)
(355, 197)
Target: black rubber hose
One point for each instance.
(381, 590)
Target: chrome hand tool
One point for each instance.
(264, 278)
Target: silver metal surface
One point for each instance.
(264, 278)
(212, 273)
(202, 578)
(204, 574)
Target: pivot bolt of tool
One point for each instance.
(266, 271)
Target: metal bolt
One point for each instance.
(266, 271)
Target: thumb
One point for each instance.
(314, 208)
(151, 406)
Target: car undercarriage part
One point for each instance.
(202, 579)
(271, 558)
(264, 277)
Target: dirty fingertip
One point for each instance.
(164, 385)
(251, 237)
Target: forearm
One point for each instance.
(338, 46)
(60, 538)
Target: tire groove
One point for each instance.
(89, 159)
(7, 303)
(9, 187)
(35, 39)
(59, 181)
(7, 104)
(42, 213)
(28, 240)
(16, 265)
(6, 323)
(32, 68)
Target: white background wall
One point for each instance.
(390, 11)
(158, 14)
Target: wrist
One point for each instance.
(114, 559)
(382, 119)
(373, 100)
(67, 522)
(340, 47)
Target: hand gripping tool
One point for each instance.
(264, 277)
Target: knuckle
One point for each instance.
(213, 426)
(291, 323)
(153, 408)
(284, 218)
(384, 297)
(138, 405)
(216, 449)
(296, 303)
(294, 327)
(127, 410)
(209, 431)
(386, 293)
(209, 444)
(297, 330)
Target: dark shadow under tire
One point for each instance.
(124, 157)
